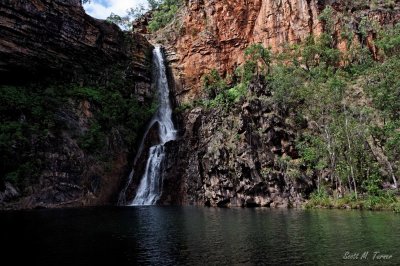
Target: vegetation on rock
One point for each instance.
(162, 13)
(34, 115)
(72, 105)
(350, 104)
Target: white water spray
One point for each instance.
(150, 187)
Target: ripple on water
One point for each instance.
(193, 236)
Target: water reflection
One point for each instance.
(191, 236)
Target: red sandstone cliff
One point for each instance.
(213, 34)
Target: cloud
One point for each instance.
(103, 8)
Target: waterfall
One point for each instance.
(150, 187)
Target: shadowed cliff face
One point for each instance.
(47, 42)
(213, 34)
(45, 39)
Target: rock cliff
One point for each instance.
(73, 147)
(58, 40)
(82, 152)
(211, 34)
(237, 157)
(240, 156)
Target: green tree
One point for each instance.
(214, 84)
(164, 13)
(154, 4)
(125, 22)
(389, 40)
(118, 20)
(258, 54)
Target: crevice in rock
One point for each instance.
(310, 18)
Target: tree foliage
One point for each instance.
(33, 116)
(164, 13)
(154, 4)
(258, 55)
(389, 40)
(352, 143)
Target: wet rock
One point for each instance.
(224, 202)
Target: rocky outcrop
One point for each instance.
(50, 42)
(243, 157)
(211, 34)
(140, 24)
(46, 39)
(214, 34)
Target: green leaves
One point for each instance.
(93, 140)
(219, 93)
(389, 40)
(25, 116)
(31, 116)
(383, 85)
(165, 12)
(326, 17)
(350, 103)
(287, 83)
(312, 151)
(257, 55)
(213, 83)
(124, 22)
(154, 4)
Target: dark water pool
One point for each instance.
(199, 236)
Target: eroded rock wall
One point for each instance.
(214, 34)
(211, 34)
(239, 157)
(236, 157)
(46, 39)
(50, 42)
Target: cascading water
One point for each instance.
(149, 190)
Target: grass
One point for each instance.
(386, 201)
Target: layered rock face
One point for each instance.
(236, 157)
(54, 41)
(44, 39)
(239, 157)
(213, 34)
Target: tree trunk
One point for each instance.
(382, 159)
(350, 149)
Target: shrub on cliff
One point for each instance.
(351, 104)
(164, 13)
(213, 84)
(33, 117)
(389, 40)
(260, 57)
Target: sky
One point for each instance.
(103, 8)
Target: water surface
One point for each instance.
(193, 236)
